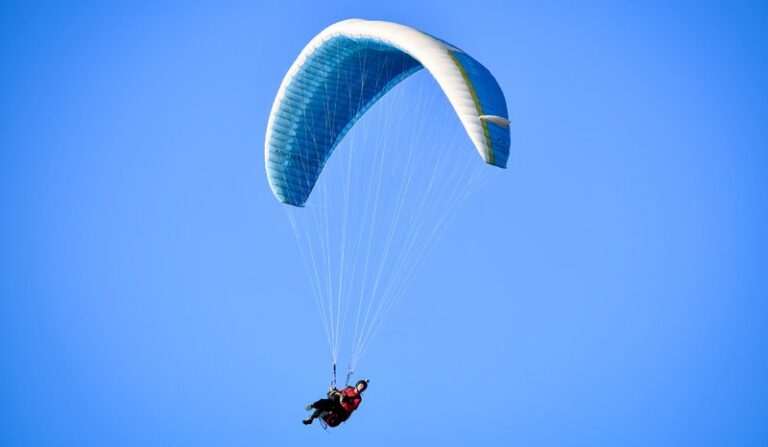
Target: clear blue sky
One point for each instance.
(151, 293)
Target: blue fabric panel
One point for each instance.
(334, 87)
(492, 102)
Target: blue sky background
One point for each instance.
(151, 292)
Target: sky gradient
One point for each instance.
(608, 289)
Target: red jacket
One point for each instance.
(349, 403)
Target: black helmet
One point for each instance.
(364, 382)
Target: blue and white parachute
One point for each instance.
(402, 168)
(343, 71)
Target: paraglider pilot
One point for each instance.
(338, 406)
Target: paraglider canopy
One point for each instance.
(343, 71)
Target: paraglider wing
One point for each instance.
(343, 71)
